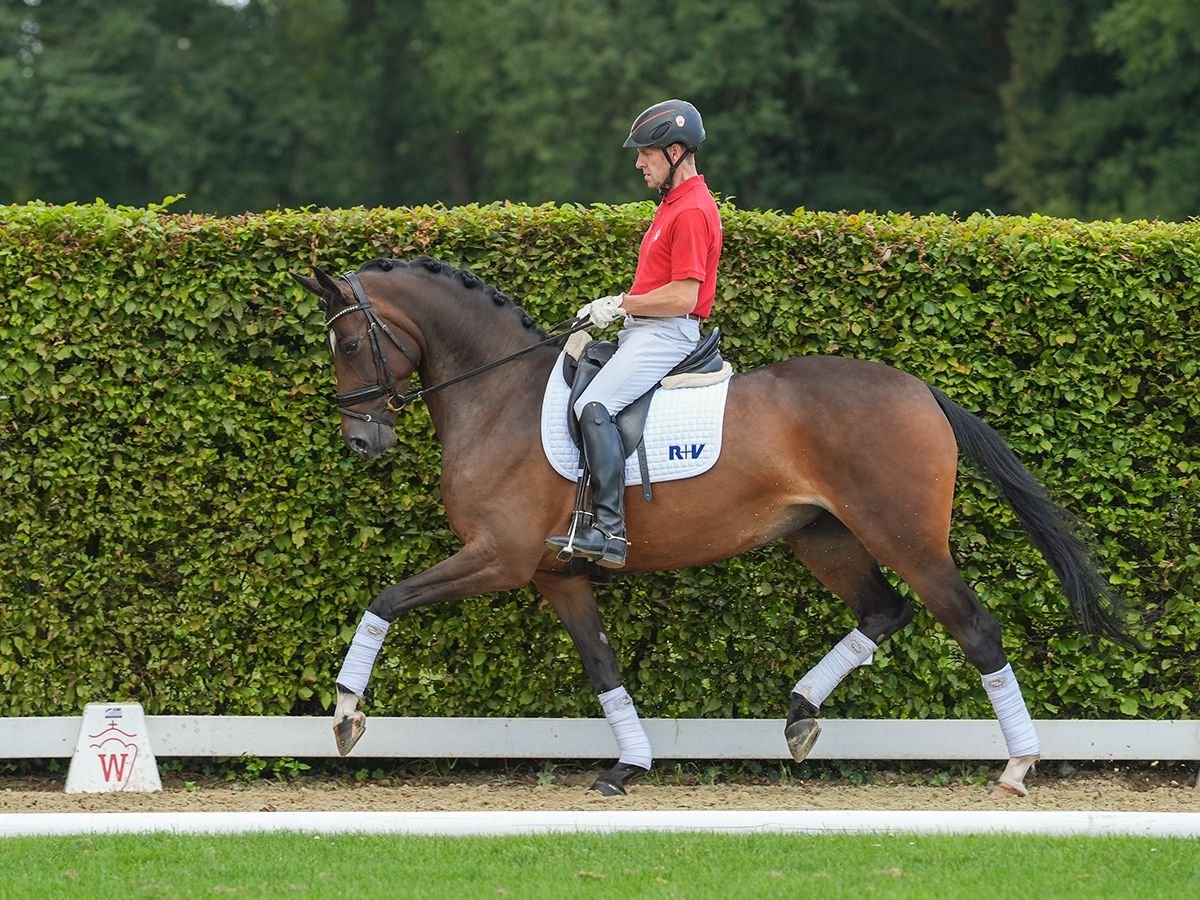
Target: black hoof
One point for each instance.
(801, 736)
(613, 782)
(802, 728)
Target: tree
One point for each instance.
(1070, 108)
(1154, 171)
(153, 98)
(799, 104)
(1096, 121)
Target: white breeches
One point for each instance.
(647, 349)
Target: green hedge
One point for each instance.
(180, 524)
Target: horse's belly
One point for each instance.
(683, 535)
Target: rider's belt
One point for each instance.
(694, 317)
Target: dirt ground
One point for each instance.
(1145, 789)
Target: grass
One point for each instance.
(620, 865)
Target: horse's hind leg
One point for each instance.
(951, 601)
(842, 564)
(575, 604)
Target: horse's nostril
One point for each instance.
(358, 445)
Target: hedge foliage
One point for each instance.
(180, 524)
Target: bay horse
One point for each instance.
(852, 463)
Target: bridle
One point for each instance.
(385, 384)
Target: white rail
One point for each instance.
(484, 738)
(609, 821)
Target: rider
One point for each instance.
(672, 292)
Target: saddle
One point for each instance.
(704, 364)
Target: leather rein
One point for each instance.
(385, 383)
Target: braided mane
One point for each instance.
(466, 278)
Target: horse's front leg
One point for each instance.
(475, 569)
(572, 599)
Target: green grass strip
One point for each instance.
(590, 865)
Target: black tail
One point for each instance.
(1052, 529)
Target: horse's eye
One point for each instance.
(350, 347)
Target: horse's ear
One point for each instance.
(328, 285)
(309, 284)
(323, 286)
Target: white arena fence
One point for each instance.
(591, 739)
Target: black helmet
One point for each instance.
(667, 123)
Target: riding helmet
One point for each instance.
(667, 123)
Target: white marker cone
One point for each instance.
(113, 752)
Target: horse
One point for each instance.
(851, 462)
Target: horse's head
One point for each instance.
(373, 359)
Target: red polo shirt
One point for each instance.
(683, 241)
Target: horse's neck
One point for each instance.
(454, 350)
(511, 391)
(484, 413)
(460, 339)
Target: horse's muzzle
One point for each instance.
(369, 439)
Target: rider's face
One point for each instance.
(654, 166)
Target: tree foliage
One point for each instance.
(1097, 119)
(1074, 108)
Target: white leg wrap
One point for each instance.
(360, 658)
(1005, 694)
(854, 650)
(632, 744)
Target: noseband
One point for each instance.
(385, 384)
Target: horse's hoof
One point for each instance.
(801, 735)
(613, 782)
(1011, 782)
(606, 788)
(347, 730)
(1006, 789)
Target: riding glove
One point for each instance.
(603, 312)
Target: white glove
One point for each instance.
(603, 312)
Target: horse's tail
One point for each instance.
(1052, 529)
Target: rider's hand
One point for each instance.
(603, 312)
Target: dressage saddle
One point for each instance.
(631, 421)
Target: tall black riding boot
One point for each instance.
(603, 542)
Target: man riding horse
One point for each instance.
(672, 292)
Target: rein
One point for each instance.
(385, 385)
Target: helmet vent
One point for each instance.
(660, 130)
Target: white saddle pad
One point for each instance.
(683, 431)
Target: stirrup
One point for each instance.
(564, 544)
(593, 545)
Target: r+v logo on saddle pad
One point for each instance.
(685, 451)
